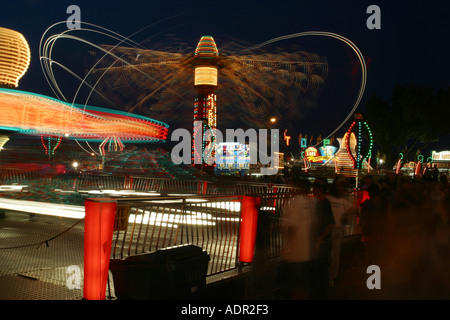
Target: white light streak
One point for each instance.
(173, 219)
(44, 208)
(338, 37)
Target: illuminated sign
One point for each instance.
(440, 156)
(205, 76)
(320, 156)
(232, 152)
(327, 151)
(232, 156)
(311, 153)
(286, 137)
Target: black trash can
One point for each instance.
(172, 273)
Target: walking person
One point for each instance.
(323, 227)
(297, 253)
(343, 210)
(372, 219)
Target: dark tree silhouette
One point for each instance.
(415, 118)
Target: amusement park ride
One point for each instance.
(354, 152)
(54, 120)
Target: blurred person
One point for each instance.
(428, 175)
(367, 181)
(297, 252)
(443, 180)
(444, 188)
(371, 220)
(387, 198)
(323, 227)
(420, 243)
(435, 173)
(343, 211)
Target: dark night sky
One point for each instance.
(411, 47)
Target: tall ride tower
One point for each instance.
(15, 59)
(206, 73)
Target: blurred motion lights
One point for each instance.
(36, 114)
(14, 57)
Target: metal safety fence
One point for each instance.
(212, 223)
(165, 186)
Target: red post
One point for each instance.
(249, 222)
(98, 230)
(275, 190)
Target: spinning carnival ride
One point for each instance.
(35, 114)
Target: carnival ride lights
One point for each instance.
(205, 106)
(51, 145)
(358, 159)
(399, 163)
(418, 165)
(14, 57)
(36, 114)
(14, 62)
(3, 140)
(53, 119)
(344, 40)
(157, 78)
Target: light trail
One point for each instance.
(43, 208)
(134, 76)
(37, 114)
(46, 48)
(338, 37)
(289, 81)
(138, 216)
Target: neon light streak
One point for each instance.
(286, 137)
(37, 114)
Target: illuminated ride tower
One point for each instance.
(206, 70)
(15, 57)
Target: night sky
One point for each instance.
(410, 48)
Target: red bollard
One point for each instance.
(98, 231)
(249, 222)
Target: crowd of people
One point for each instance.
(405, 229)
(404, 224)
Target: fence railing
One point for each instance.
(175, 186)
(211, 223)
